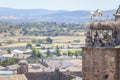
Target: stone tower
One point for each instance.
(101, 53)
(23, 67)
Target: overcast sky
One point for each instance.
(61, 4)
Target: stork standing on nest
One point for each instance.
(99, 13)
(92, 14)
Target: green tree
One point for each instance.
(37, 45)
(36, 41)
(77, 41)
(29, 45)
(42, 58)
(40, 41)
(36, 52)
(9, 42)
(70, 53)
(43, 47)
(48, 52)
(8, 61)
(9, 51)
(0, 44)
(78, 53)
(65, 53)
(57, 51)
(11, 61)
(49, 40)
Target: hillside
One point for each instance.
(33, 15)
(40, 29)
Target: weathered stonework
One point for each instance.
(23, 67)
(100, 63)
(101, 53)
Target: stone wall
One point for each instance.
(48, 76)
(42, 76)
(22, 69)
(100, 63)
(39, 76)
(117, 18)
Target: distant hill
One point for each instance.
(26, 12)
(33, 15)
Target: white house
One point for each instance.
(16, 52)
(27, 51)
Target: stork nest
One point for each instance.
(104, 25)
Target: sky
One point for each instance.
(61, 4)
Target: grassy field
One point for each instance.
(57, 40)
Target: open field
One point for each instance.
(57, 40)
